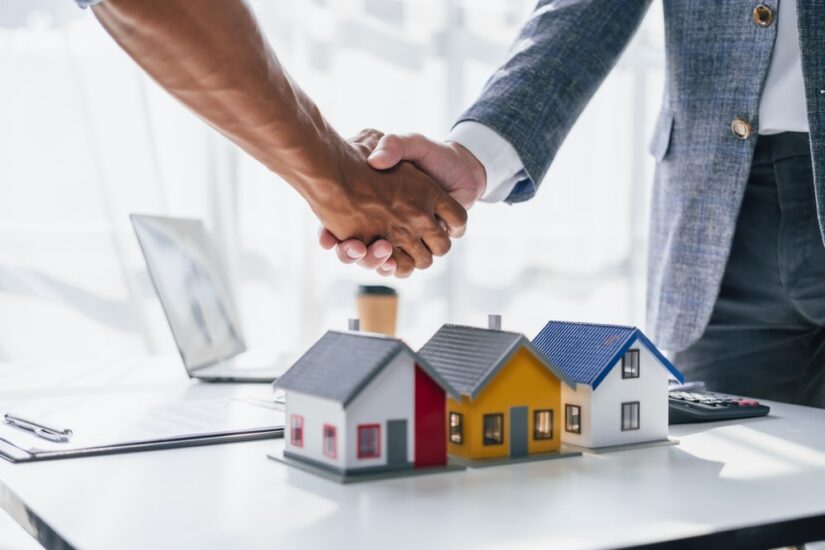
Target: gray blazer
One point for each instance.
(717, 61)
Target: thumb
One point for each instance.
(387, 153)
(392, 149)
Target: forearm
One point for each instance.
(560, 58)
(213, 57)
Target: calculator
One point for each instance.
(704, 406)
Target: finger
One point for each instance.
(367, 139)
(326, 239)
(420, 254)
(371, 138)
(437, 242)
(404, 263)
(350, 251)
(388, 268)
(451, 213)
(377, 254)
(392, 149)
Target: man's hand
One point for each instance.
(402, 205)
(450, 164)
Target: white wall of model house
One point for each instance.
(389, 396)
(316, 411)
(601, 409)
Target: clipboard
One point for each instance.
(124, 424)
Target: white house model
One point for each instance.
(360, 403)
(621, 394)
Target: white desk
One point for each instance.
(720, 478)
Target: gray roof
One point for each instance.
(341, 364)
(469, 357)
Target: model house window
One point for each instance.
(543, 424)
(573, 419)
(369, 441)
(630, 416)
(330, 441)
(456, 428)
(296, 430)
(630, 364)
(493, 429)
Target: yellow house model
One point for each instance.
(510, 392)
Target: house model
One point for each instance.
(620, 394)
(510, 392)
(360, 403)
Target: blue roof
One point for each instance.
(586, 352)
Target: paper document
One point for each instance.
(122, 420)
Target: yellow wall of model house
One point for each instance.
(522, 382)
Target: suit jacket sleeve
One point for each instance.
(560, 58)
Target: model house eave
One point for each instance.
(637, 335)
(508, 354)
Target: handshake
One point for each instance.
(399, 201)
(390, 203)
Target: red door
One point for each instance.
(430, 426)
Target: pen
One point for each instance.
(40, 430)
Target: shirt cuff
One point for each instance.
(87, 3)
(500, 160)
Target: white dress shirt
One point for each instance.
(781, 109)
(782, 106)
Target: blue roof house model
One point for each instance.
(621, 393)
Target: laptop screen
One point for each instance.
(193, 288)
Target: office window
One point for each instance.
(543, 424)
(493, 429)
(296, 430)
(369, 441)
(456, 428)
(630, 364)
(573, 419)
(330, 441)
(630, 416)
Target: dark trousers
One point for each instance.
(766, 336)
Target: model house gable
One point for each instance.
(588, 352)
(341, 364)
(468, 358)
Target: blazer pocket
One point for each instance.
(660, 142)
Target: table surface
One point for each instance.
(720, 477)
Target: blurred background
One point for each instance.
(86, 139)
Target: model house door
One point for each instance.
(396, 442)
(518, 431)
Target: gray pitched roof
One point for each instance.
(341, 364)
(469, 357)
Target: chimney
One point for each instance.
(494, 322)
(355, 324)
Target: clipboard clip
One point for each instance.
(40, 430)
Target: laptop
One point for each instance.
(192, 285)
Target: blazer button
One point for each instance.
(741, 128)
(762, 15)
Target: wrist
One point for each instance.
(477, 174)
(318, 169)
